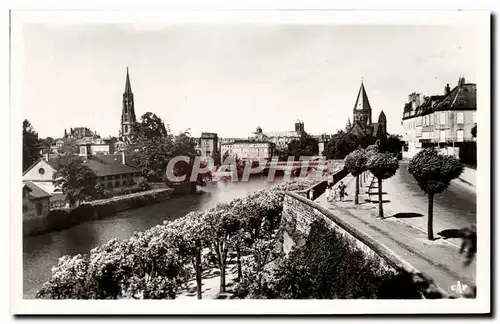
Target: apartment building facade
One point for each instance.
(443, 121)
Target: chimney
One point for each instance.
(447, 89)
(123, 158)
(46, 156)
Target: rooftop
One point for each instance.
(34, 191)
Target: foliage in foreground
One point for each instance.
(156, 263)
(328, 266)
(434, 173)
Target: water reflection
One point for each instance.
(42, 252)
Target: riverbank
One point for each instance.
(59, 219)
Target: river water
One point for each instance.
(42, 252)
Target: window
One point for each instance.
(110, 185)
(426, 135)
(38, 208)
(431, 117)
(117, 184)
(442, 119)
(41, 170)
(442, 136)
(419, 132)
(460, 135)
(460, 118)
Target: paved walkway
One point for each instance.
(403, 199)
(438, 259)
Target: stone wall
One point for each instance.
(298, 214)
(63, 218)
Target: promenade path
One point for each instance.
(438, 259)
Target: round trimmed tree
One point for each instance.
(382, 166)
(355, 163)
(433, 173)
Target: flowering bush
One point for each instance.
(154, 264)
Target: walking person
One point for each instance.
(341, 189)
(329, 188)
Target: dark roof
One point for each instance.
(102, 165)
(35, 191)
(116, 159)
(362, 99)
(52, 162)
(105, 169)
(462, 97)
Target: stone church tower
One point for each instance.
(128, 112)
(362, 124)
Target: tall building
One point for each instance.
(248, 150)
(362, 124)
(280, 139)
(444, 121)
(128, 112)
(209, 145)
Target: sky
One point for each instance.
(229, 79)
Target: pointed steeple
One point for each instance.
(128, 88)
(362, 102)
(128, 112)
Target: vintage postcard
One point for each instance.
(250, 162)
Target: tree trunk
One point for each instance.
(223, 277)
(223, 255)
(198, 270)
(356, 201)
(430, 231)
(380, 205)
(238, 262)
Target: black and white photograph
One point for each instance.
(317, 162)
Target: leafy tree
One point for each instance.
(46, 143)
(340, 145)
(150, 127)
(189, 235)
(473, 131)
(69, 147)
(366, 141)
(31, 145)
(221, 224)
(143, 184)
(393, 145)
(355, 162)
(304, 146)
(433, 173)
(382, 166)
(77, 181)
(152, 147)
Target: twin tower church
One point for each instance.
(361, 125)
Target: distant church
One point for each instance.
(128, 113)
(362, 119)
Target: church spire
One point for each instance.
(128, 111)
(128, 88)
(362, 102)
